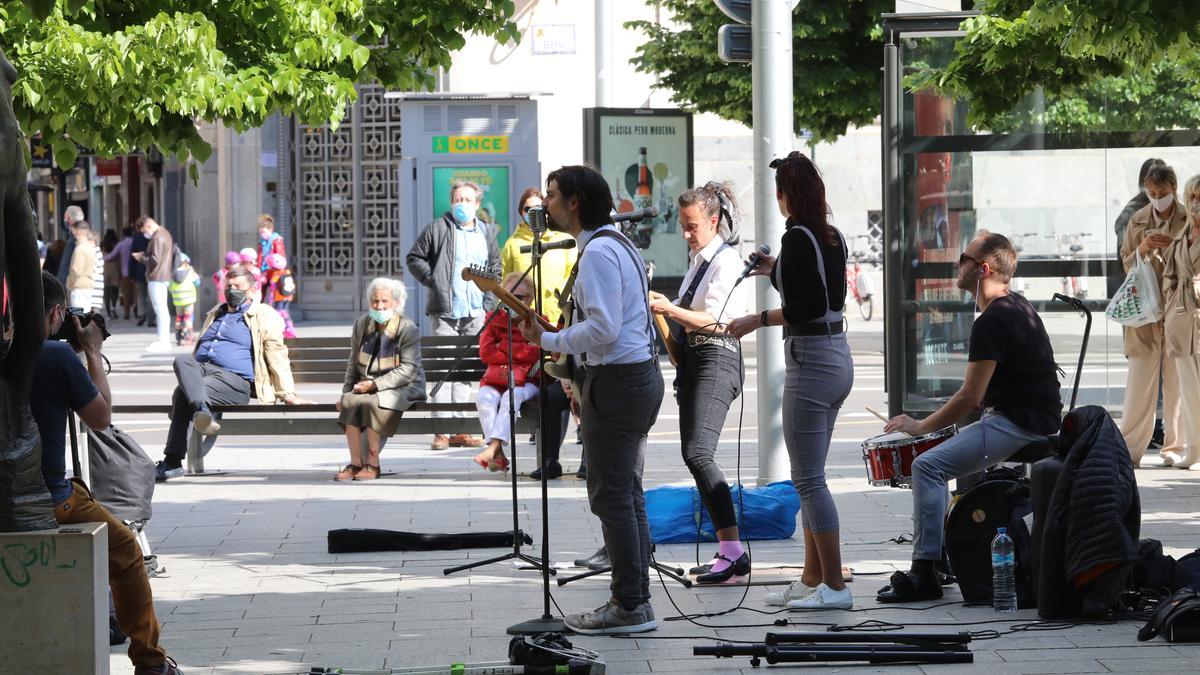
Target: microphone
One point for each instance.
(537, 219)
(753, 261)
(561, 243)
(635, 216)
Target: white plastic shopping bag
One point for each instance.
(1136, 302)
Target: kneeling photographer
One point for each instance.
(62, 385)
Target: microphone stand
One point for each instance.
(516, 553)
(518, 536)
(547, 622)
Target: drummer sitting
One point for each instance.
(1011, 373)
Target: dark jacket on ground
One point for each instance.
(431, 262)
(1090, 537)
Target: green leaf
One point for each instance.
(41, 9)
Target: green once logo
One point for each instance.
(441, 144)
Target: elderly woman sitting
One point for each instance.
(383, 377)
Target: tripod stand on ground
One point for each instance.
(547, 623)
(516, 553)
(675, 573)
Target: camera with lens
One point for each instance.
(85, 316)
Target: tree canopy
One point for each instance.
(836, 62)
(115, 75)
(1101, 65)
(1116, 65)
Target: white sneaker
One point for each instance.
(158, 346)
(204, 423)
(795, 591)
(824, 597)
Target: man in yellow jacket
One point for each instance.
(240, 354)
(556, 264)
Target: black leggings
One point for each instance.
(708, 380)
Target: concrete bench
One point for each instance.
(322, 360)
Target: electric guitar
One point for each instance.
(488, 283)
(664, 331)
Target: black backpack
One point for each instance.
(970, 527)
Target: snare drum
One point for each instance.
(889, 457)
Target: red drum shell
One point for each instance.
(889, 462)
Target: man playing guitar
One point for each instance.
(620, 387)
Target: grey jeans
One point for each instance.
(820, 373)
(620, 404)
(994, 438)
(456, 392)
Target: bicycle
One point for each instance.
(1018, 240)
(858, 285)
(1077, 285)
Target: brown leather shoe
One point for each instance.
(467, 441)
(440, 442)
(368, 473)
(348, 473)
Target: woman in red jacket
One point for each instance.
(495, 343)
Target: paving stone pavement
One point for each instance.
(250, 587)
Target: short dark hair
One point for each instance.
(239, 271)
(999, 252)
(529, 192)
(53, 292)
(589, 187)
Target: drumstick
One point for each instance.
(876, 413)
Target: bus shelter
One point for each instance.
(1055, 193)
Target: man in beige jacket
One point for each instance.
(81, 275)
(240, 355)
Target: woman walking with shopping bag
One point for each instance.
(1151, 230)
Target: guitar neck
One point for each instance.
(509, 300)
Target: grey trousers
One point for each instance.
(991, 440)
(455, 392)
(819, 376)
(620, 404)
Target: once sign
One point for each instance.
(470, 144)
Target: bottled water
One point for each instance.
(1004, 562)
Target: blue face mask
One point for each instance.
(381, 315)
(464, 212)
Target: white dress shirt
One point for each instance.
(717, 283)
(612, 321)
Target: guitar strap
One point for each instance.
(685, 301)
(638, 263)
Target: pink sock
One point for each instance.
(731, 550)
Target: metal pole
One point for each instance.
(771, 67)
(894, 354)
(604, 20)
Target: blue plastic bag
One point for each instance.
(769, 513)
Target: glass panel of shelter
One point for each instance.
(1055, 195)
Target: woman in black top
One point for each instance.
(809, 274)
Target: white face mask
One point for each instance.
(1162, 203)
(1194, 208)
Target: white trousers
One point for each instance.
(1189, 415)
(493, 409)
(162, 314)
(1141, 400)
